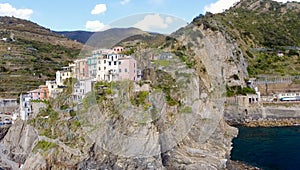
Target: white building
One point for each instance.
(287, 95)
(52, 86)
(113, 67)
(25, 106)
(81, 88)
(61, 76)
(102, 67)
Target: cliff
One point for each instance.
(181, 127)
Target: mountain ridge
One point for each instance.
(102, 39)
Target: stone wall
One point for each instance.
(235, 114)
(36, 106)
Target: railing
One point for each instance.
(275, 80)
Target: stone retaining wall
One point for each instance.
(259, 114)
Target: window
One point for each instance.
(109, 63)
(99, 68)
(99, 62)
(104, 61)
(126, 70)
(104, 68)
(120, 70)
(119, 62)
(115, 63)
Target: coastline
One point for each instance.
(268, 123)
(260, 115)
(238, 165)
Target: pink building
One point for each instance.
(34, 94)
(81, 69)
(127, 68)
(118, 49)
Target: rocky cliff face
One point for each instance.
(179, 126)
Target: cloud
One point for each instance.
(169, 20)
(99, 9)
(221, 5)
(153, 21)
(96, 26)
(7, 10)
(123, 2)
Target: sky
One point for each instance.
(164, 16)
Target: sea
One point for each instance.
(272, 148)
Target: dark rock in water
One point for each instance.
(236, 165)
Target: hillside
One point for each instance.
(30, 54)
(263, 29)
(103, 39)
(80, 36)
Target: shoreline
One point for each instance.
(238, 165)
(267, 123)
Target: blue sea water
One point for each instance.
(276, 148)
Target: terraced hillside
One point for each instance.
(267, 31)
(30, 54)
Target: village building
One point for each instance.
(102, 67)
(81, 69)
(92, 66)
(8, 105)
(81, 88)
(127, 68)
(62, 75)
(25, 105)
(118, 49)
(34, 94)
(52, 86)
(44, 92)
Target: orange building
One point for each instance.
(44, 92)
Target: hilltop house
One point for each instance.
(118, 49)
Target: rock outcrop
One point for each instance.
(181, 126)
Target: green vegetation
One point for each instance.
(185, 109)
(163, 63)
(140, 98)
(34, 56)
(238, 90)
(262, 30)
(43, 145)
(89, 100)
(167, 84)
(186, 58)
(272, 64)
